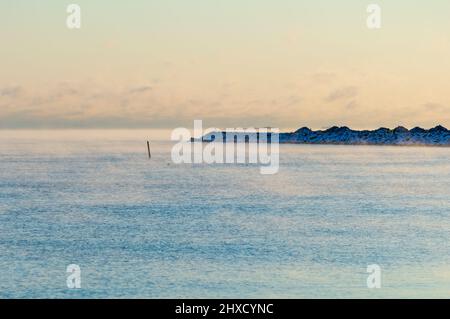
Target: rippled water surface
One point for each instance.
(145, 228)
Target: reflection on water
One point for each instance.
(149, 228)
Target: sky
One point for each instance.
(231, 63)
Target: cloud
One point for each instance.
(431, 106)
(343, 93)
(141, 89)
(11, 91)
(351, 105)
(323, 76)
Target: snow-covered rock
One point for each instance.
(438, 136)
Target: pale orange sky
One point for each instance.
(162, 64)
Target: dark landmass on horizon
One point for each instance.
(437, 136)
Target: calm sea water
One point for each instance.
(144, 228)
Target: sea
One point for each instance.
(149, 228)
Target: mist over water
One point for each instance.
(143, 228)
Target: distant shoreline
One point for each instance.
(400, 136)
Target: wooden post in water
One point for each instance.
(148, 148)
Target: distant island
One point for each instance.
(437, 136)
